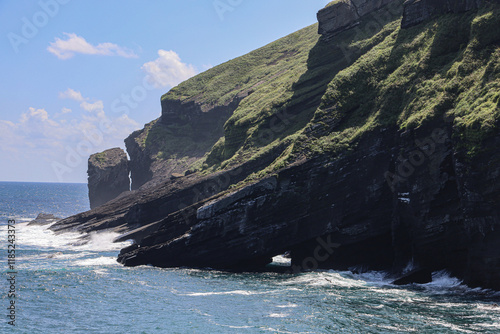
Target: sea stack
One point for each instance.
(108, 174)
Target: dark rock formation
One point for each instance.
(44, 219)
(108, 176)
(417, 11)
(345, 14)
(418, 276)
(148, 205)
(366, 208)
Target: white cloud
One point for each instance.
(64, 111)
(168, 70)
(95, 107)
(74, 44)
(72, 95)
(48, 141)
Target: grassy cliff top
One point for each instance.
(333, 2)
(222, 83)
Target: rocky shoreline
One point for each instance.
(399, 196)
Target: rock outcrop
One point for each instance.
(108, 176)
(418, 11)
(418, 276)
(349, 212)
(44, 219)
(345, 14)
(184, 133)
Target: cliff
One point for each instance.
(367, 150)
(417, 11)
(108, 176)
(341, 15)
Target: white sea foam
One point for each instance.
(326, 279)
(218, 293)
(98, 261)
(42, 237)
(444, 279)
(281, 261)
(289, 305)
(278, 315)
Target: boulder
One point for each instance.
(108, 176)
(44, 219)
(418, 276)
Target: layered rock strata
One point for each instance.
(345, 14)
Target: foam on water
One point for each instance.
(101, 261)
(281, 261)
(38, 236)
(235, 292)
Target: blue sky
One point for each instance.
(78, 76)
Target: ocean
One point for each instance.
(62, 285)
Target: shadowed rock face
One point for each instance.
(108, 176)
(194, 130)
(417, 11)
(346, 14)
(366, 209)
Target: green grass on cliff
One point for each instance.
(447, 68)
(310, 96)
(287, 80)
(267, 75)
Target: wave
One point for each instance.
(98, 261)
(234, 292)
(42, 237)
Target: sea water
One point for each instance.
(66, 286)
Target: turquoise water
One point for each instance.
(66, 287)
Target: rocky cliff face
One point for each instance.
(363, 210)
(108, 176)
(184, 133)
(383, 150)
(342, 15)
(418, 11)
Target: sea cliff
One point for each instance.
(370, 146)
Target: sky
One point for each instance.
(78, 76)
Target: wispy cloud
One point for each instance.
(72, 95)
(168, 70)
(47, 139)
(97, 106)
(74, 44)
